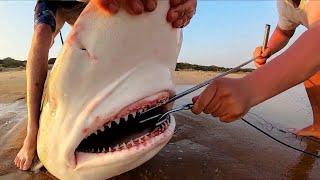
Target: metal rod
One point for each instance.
(153, 117)
(266, 37)
(188, 91)
(208, 81)
(235, 69)
(265, 43)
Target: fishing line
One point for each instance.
(61, 38)
(283, 131)
(277, 140)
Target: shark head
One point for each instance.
(112, 68)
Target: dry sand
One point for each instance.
(12, 86)
(194, 77)
(13, 83)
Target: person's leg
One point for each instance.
(312, 86)
(37, 67)
(36, 70)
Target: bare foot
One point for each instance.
(311, 130)
(25, 156)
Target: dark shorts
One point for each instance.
(46, 10)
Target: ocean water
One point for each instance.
(290, 109)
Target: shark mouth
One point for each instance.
(123, 131)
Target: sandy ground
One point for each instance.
(194, 77)
(13, 83)
(202, 147)
(12, 86)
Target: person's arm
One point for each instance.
(179, 14)
(279, 39)
(36, 71)
(295, 65)
(229, 99)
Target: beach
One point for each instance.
(13, 82)
(202, 147)
(12, 85)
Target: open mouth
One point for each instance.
(125, 131)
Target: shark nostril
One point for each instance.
(83, 49)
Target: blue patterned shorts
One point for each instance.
(45, 12)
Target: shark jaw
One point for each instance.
(122, 135)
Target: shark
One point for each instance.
(110, 70)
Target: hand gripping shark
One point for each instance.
(112, 68)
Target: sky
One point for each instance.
(222, 33)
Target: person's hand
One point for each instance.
(181, 12)
(226, 98)
(134, 7)
(261, 55)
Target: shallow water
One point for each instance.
(204, 148)
(290, 109)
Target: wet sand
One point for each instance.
(204, 148)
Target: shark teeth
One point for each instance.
(124, 118)
(131, 115)
(123, 145)
(131, 143)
